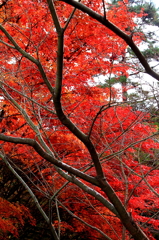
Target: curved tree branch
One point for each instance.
(28, 56)
(128, 39)
(53, 231)
(48, 157)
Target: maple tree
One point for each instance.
(11, 217)
(66, 139)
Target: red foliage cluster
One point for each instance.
(122, 137)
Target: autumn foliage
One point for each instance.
(12, 216)
(57, 136)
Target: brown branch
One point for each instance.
(62, 117)
(48, 157)
(3, 3)
(128, 39)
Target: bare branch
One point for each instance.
(84, 222)
(29, 57)
(54, 16)
(32, 195)
(48, 157)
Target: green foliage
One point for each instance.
(151, 52)
(146, 159)
(151, 15)
(110, 82)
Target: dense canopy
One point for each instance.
(77, 159)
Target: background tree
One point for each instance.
(148, 26)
